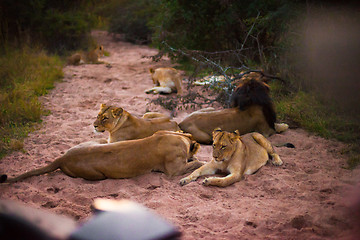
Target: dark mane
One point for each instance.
(251, 93)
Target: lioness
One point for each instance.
(124, 126)
(235, 155)
(89, 57)
(252, 111)
(165, 151)
(166, 80)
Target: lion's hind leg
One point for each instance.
(163, 90)
(78, 171)
(262, 141)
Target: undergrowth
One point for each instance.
(323, 118)
(25, 74)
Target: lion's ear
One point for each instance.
(216, 130)
(103, 106)
(235, 135)
(116, 112)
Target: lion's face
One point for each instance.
(224, 145)
(107, 118)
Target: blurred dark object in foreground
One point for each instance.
(113, 219)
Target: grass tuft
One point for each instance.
(25, 74)
(322, 118)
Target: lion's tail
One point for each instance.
(49, 168)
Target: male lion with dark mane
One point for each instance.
(236, 156)
(251, 111)
(124, 126)
(126, 159)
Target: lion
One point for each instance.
(234, 155)
(89, 57)
(251, 111)
(166, 151)
(123, 126)
(166, 81)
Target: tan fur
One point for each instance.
(96, 161)
(123, 126)
(89, 57)
(74, 59)
(236, 156)
(166, 80)
(201, 123)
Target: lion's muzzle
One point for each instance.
(96, 130)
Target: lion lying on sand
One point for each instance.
(252, 111)
(124, 126)
(87, 57)
(234, 155)
(169, 152)
(166, 80)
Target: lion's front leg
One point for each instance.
(222, 181)
(206, 169)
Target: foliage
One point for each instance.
(25, 75)
(57, 25)
(323, 118)
(131, 19)
(251, 27)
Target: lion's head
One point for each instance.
(253, 92)
(108, 118)
(224, 144)
(155, 81)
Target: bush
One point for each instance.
(131, 19)
(57, 25)
(253, 27)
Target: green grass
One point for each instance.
(322, 118)
(25, 74)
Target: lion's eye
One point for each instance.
(223, 147)
(104, 119)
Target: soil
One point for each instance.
(311, 196)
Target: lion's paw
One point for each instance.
(184, 181)
(277, 161)
(207, 181)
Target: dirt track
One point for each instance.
(309, 197)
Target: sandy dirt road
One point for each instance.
(309, 197)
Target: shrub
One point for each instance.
(57, 25)
(131, 18)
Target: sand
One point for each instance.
(311, 196)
